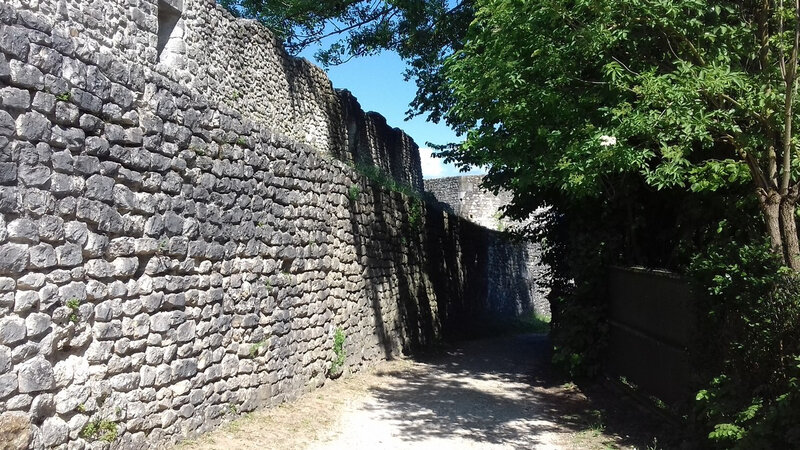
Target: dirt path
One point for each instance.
(489, 394)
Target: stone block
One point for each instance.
(33, 176)
(42, 256)
(15, 428)
(45, 58)
(51, 229)
(12, 330)
(13, 258)
(33, 126)
(38, 324)
(36, 375)
(99, 268)
(107, 330)
(15, 98)
(66, 113)
(8, 173)
(26, 75)
(5, 69)
(76, 232)
(69, 138)
(23, 230)
(25, 301)
(7, 124)
(99, 187)
(86, 165)
(54, 432)
(44, 102)
(125, 267)
(8, 385)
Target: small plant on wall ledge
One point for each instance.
(352, 193)
(415, 213)
(74, 305)
(100, 430)
(338, 348)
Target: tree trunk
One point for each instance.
(791, 247)
(770, 204)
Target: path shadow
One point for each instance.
(499, 391)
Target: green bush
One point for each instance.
(752, 334)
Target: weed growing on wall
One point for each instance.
(378, 176)
(352, 193)
(100, 430)
(163, 245)
(386, 181)
(338, 349)
(73, 304)
(415, 213)
(498, 217)
(255, 348)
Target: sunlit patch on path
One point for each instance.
(489, 394)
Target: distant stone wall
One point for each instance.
(170, 258)
(465, 197)
(516, 276)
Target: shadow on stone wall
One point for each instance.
(479, 276)
(397, 286)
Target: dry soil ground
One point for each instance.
(487, 394)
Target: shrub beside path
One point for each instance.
(487, 394)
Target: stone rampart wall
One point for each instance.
(167, 261)
(234, 63)
(465, 197)
(515, 272)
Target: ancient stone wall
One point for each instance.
(516, 276)
(465, 197)
(169, 257)
(231, 62)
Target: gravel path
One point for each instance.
(488, 394)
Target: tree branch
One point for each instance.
(337, 30)
(763, 34)
(791, 86)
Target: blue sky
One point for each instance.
(377, 82)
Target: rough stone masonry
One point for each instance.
(182, 231)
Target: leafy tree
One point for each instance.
(565, 96)
(422, 32)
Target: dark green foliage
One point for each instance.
(689, 95)
(750, 328)
(630, 225)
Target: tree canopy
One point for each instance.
(694, 94)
